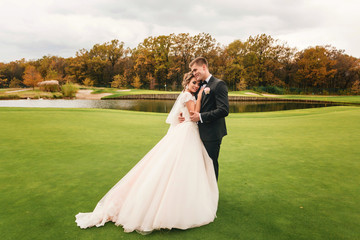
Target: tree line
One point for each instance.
(261, 63)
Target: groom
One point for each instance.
(214, 109)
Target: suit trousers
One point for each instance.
(213, 149)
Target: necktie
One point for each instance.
(203, 83)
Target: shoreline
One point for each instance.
(231, 98)
(86, 94)
(174, 96)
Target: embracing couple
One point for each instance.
(175, 184)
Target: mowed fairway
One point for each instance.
(283, 175)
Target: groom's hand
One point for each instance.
(194, 116)
(181, 118)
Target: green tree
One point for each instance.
(265, 60)
(234, 71)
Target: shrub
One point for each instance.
(56, 95)
(88, 82)
(69, 90)
(275, 90)
(270, 89)
(9, 97)
(293, 90)
(15, 83)
(49, 86)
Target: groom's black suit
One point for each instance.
(214, 109)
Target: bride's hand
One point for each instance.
(181, 118)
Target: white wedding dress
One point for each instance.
(172, 186)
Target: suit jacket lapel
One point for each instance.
(211, 80)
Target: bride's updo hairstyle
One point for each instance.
(187, 77)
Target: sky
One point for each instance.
(31, 29)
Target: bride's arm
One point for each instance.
(190, 105)
(195, 107)
(198, 101)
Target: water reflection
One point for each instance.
(163, 106)
(259, 106)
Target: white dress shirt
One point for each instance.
(203, 86)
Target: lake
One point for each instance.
(162, 106)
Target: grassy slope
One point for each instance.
(349, 99)
(139, 91)
(28, 93)
(283, 175)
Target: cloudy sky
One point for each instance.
(33, 28)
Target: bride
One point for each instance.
(172, 186)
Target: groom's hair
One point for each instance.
(199, 61)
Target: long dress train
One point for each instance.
(172, 186)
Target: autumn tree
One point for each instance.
(76, 67)
(119, 81)
(14, 69)
(136, 83)
(183, 51)
(102, 60)
(264, 60)
(260, 60)
(161, 50)
(52, 75)
(153, 56)
(88, 82)
(144, 64)
(15, 83)
(355, 89)
(207, 46)
(31, 76)
(234, 71)
(51, 67)
(151, 80)
(347, 69)
(3, 82)
(315, 68)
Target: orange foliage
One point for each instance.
(31, 76)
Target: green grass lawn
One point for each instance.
(331, 98)
(283, 175)
(134, 92)
(348, 99)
